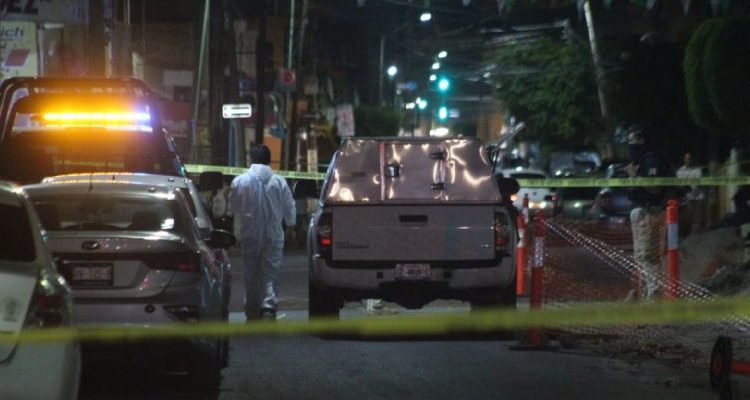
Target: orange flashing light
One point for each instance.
(96, 117)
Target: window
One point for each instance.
(106, 213)
(16, 239)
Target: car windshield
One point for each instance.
(33, 155)
(16, 239)
(106, 213)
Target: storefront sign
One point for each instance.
(74, 12)
(345, 120)
(18, 50)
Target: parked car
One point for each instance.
(53, 126)
(575, 202)
(539, 198)
(195, 205)
(410, 220)
(133, 256)
(33, 295)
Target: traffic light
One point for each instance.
(444, 84)
(443, 113)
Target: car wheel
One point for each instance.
(322, 303)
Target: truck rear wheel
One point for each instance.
(322, 303)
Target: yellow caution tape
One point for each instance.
(197, 169)
(632, 182)
(610, 314)
(528, 183)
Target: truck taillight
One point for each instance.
(325, 234)
(502, 233)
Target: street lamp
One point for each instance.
(425, 16)
(436, 65)
(392, 71)
(442, 54)
(433, 78)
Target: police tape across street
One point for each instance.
(531, 183)
(605, 314)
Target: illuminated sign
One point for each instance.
(230, 111)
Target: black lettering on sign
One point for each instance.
(15, 6)
(12, 6)
(30, 7)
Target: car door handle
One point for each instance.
(413, 219)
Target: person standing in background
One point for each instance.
(263, 202)
(646, 217)
(696, 196)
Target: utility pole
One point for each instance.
(292, 155)
(96, 38)
(260, 74)
(198, 80)
(289, 56)
(591, 12)
(380, 70)
(217, 83)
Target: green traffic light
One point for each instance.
(444, 84)
(443, 113)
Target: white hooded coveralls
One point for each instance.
(262, 200)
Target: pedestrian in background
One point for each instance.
(646, 217)
(263, 202)
(696, 196)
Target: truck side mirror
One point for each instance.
(507, 185)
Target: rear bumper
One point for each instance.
(41, 371)
(146, 311)
(373, 280)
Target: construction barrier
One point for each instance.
(673, 250)
(521, 256)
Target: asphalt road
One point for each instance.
(439, 367)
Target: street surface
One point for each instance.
(439, 367)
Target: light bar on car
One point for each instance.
(131, 121)
(96, 117)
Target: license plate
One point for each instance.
(92, 274)
(413, 271)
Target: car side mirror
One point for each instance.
(212, 180)
(220, 239)
(507, 185)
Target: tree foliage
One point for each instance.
(550, 85)
(717, 61)
(376, 121)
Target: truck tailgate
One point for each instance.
(413, 233)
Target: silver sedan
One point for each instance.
(133, 256)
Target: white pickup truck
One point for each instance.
(410, 220)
